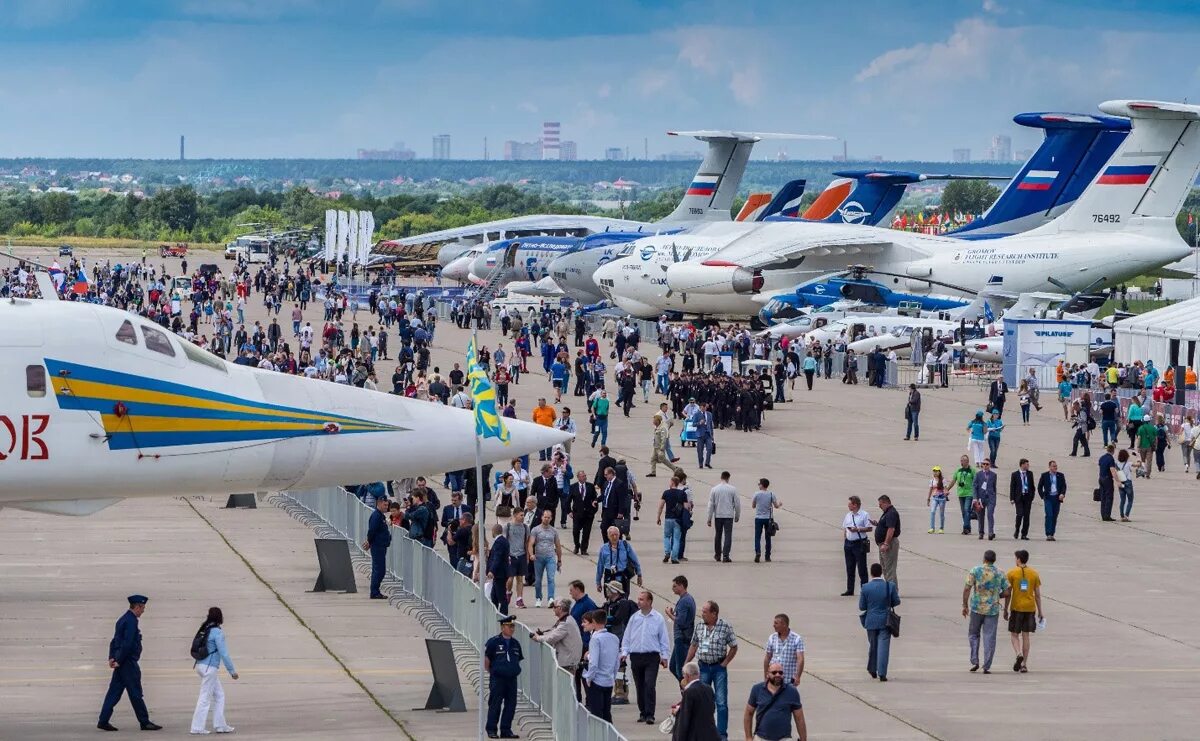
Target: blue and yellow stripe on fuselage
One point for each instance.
(164, 414)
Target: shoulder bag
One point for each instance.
(893, 618)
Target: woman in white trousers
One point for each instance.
(212, 695)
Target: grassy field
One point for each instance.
(98, 243)
(1136, 306)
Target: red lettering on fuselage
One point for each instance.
(33, 447)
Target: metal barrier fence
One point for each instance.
(430, 578)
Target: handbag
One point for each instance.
(1095, 495)
(893, 618)
(772, 527)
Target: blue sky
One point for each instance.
(311, 78)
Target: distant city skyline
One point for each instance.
(242, 78)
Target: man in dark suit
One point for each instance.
(451, 514)
(695, 720)
(584, 503)
(1020, 492)
(874, 600)
(379, 539)
(606, 461)
(545, 490)
(497, 568)
(614, 502)
(1052, 488)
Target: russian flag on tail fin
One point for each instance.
(1126, 175)
(1037, 180)
(704, 184)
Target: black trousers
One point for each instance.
(581, 531)
(645, 674)
(856, 558)
(1022, 526)
(1106, 499)
(599, 701)
(722, 530)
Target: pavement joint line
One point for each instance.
(287, 606)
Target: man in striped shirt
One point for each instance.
(786, 648)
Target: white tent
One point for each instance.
(1168, 336)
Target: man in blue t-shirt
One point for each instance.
(772, 707)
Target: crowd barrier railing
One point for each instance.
(429, 577)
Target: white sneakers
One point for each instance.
(223, 729)
(537, 604)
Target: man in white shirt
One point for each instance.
(646, 645)
(856, 526)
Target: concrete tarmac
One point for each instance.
(1118, 658)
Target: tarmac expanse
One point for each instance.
(1119, 658)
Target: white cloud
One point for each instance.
(604, 90)
(991, 6)
(700, 48)
(746, 83)
(963, 55)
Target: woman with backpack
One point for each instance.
(209, 651)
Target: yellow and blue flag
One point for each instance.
(483, 399)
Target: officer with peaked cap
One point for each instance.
(502, 661)
(124, 651)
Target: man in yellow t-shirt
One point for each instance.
(1022, 608)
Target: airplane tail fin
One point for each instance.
(1074, 149)
(709, 195)
(753, 207)
(786, 202)
(867, 196)
(1144, 183)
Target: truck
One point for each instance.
(179, 249)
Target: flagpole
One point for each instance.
(481, 549)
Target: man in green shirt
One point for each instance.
(600, 419)
(964, 480)
(985, 588)
(1147, 436)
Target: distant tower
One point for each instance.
(845, 151)
(181, 147)
(485, 152)
(551, 134)
(646, 148)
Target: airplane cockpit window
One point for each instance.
(626, 251)
(196, 355)
(126, 334)
(157, 341)
(35, 380)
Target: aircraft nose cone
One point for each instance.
(524, 437)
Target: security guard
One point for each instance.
(502, 659)
(123, 654)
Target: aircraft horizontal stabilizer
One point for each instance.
(749, 136)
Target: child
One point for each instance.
(936, 500)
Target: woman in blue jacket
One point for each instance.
(212, 695)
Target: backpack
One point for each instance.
(200, 650)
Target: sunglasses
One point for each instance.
(776, 673)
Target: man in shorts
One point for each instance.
(1022, 608)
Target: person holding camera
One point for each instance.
(564, 636)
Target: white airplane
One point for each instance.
(1120, 227)
(708, 198)
(115, 406)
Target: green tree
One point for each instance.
(177, 208)
(968, 196)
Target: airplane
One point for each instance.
(1075, 145)
(1120, 227)
(708, 198)
(115, 406)
(573, 271)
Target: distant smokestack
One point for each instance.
(181, 148)
(845, 150)
(485, 152)
(646, 148)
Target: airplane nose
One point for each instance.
(524, 437)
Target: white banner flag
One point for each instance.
(343, 234)
(353, 236)
(366, 232)
(330, 233)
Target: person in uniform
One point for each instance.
(502, 659)
(124, 651)
(379, 538)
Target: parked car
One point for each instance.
(65, 250)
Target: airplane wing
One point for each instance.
(784, 255)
